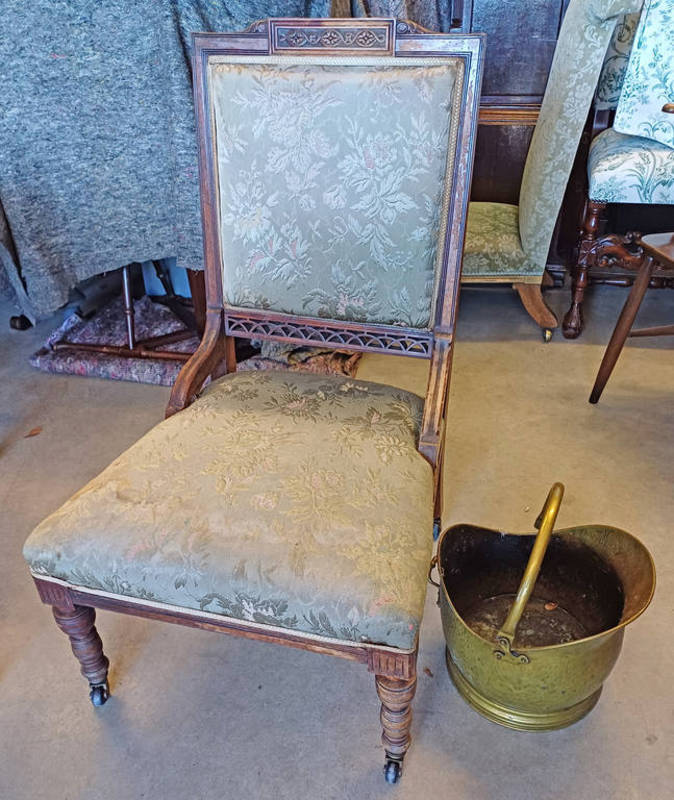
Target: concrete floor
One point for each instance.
(195, 715)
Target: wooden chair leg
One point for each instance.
(622, 328)
(532, 299)
(572, 324)
(396, 719)
(78, 625)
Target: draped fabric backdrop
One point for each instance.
(98, 164)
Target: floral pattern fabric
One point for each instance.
(330, 188)
(615, 63)
(649, 81)
(579, 55)
(297, 500)
(630, 169)
(493, 250)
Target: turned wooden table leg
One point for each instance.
(573, 320)
(622, 328)
(396, 719)
(78, 625)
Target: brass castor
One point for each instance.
(392, 771)
(99, 693)
(547, 335)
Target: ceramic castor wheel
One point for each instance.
(392, 771)
(99, 694)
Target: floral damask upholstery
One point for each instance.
(336, 213)
(493, 250)
(298, 501)
(615, 63)
(583, 39)
(511, 243)
(649, 79)
(630, 169)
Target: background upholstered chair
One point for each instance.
(510, 244)
(632, 161)
(297, 510)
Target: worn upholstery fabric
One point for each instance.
(649, 80)
(493, 250)
(615, 63)
(630, 169)
(291, 500)
(579, 55)
(98, 157)
(330, 189)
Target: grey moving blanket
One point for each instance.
(98, 162)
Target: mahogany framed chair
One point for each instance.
(335, 167)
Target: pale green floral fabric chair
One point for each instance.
(632, 161)
(507, 243)
(297, 509)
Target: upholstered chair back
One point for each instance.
(615, 63)
(337, 166)
(332, 184)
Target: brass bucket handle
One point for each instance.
(545, 524)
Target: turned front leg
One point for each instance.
(396, 719)
(78, 625)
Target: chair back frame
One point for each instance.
(386, 38)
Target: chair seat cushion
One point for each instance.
(630, 169)
(294, 501)
(493, 250)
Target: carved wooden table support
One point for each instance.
(595, 251)
(78, 625)
(396, 719)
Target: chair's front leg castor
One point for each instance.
(547, 335)
(99, 693)
(392, 771)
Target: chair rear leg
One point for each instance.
(78, 625)
(532, 299)
(396, 719)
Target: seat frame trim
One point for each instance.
(382, 659)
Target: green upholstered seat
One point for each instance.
(630, 169)
(298, 501)
(493, 249)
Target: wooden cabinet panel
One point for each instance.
(500, 154)
(521, 37)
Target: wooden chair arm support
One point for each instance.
(213, 349)
(432, 438)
